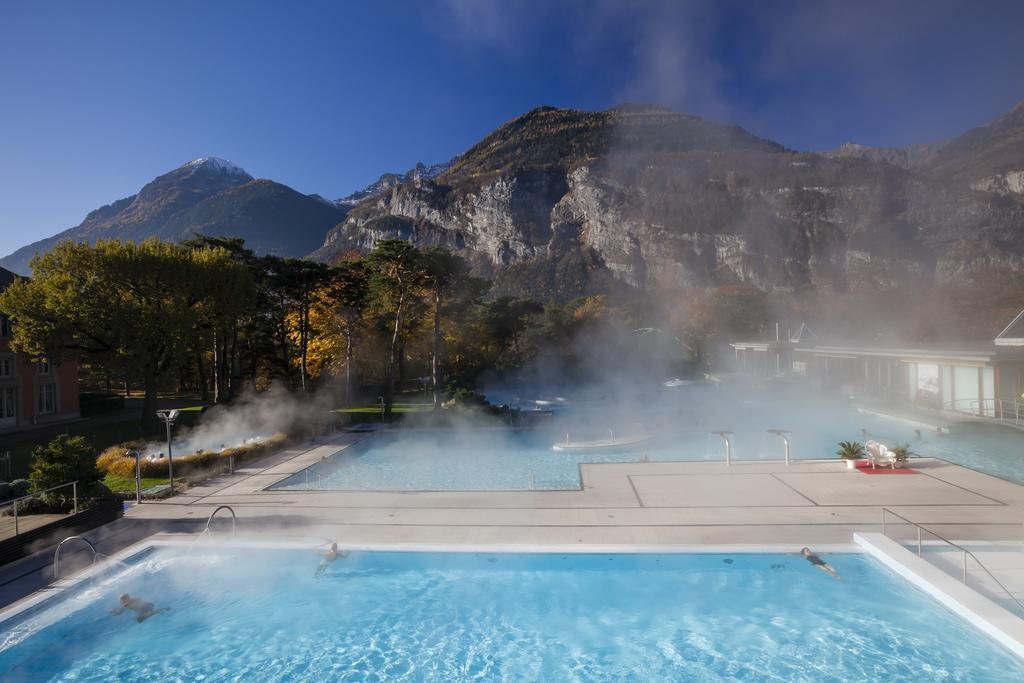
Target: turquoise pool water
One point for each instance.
(498, 459)
(260, 615)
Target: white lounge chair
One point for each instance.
(879, 455)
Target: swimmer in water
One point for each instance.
(329, 556)
(917, 433)
(819, 563)
(144, 610)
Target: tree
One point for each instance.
(227, 297)
(505, 320)
(349, 288)
(300, 280)
(444, 273)
(224, 296)
(398, 276)
(120, 303)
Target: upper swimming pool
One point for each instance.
(496, 460)
(261, 615)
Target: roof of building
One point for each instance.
(6, 278)
(1012, 334)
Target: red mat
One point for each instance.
(865, 467)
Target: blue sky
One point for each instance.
(97, 99)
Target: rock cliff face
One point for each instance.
(663, 201)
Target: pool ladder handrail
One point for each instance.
(234, 519)
(967, 553)
(56, 553)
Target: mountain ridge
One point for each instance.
(559, 202)
(661, 200)
(206, 195)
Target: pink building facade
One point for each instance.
(33, 392)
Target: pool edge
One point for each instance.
(985, 615)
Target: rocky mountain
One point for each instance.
(390, 180)
(989, 158)
(209, 196)
(564, 201)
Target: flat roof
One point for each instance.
(1012, 334)
(978, 354)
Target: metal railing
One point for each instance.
(234, 519)
(996, 409)
(56, 553)
(781, 433)
(14, 501)
(966, 553)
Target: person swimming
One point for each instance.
(819, 563)
(329, 556)
(144, 610)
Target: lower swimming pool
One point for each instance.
(261, 615)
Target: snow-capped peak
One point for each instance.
(216, 165)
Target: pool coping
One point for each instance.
(981, 612)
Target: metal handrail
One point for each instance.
(1001, 409)
(56, 553)
(234, 519)
(14, 501)
(967, 553)
(39, 493)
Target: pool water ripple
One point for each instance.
(260, 615)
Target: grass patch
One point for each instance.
(119, 484)
(395, 408)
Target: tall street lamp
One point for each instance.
(168, 417)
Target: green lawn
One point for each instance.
(395, 408)
(118, 483)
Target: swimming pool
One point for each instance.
(259, 614)
(507, 460)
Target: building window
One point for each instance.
(6, 368)
(8, 403)
(47, 399)
(44, 367)
(5, 326)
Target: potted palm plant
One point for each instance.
(851, 452)
(902, 454)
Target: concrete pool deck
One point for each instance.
(807, 502)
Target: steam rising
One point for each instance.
(250, 419)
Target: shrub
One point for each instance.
(14, 489)
(464, 398)
(114, 461)
(63, 460)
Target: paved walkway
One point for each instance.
(810, 502)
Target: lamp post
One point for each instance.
(168, 417)
(785, 440)
(138, 474)
(728, 446)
